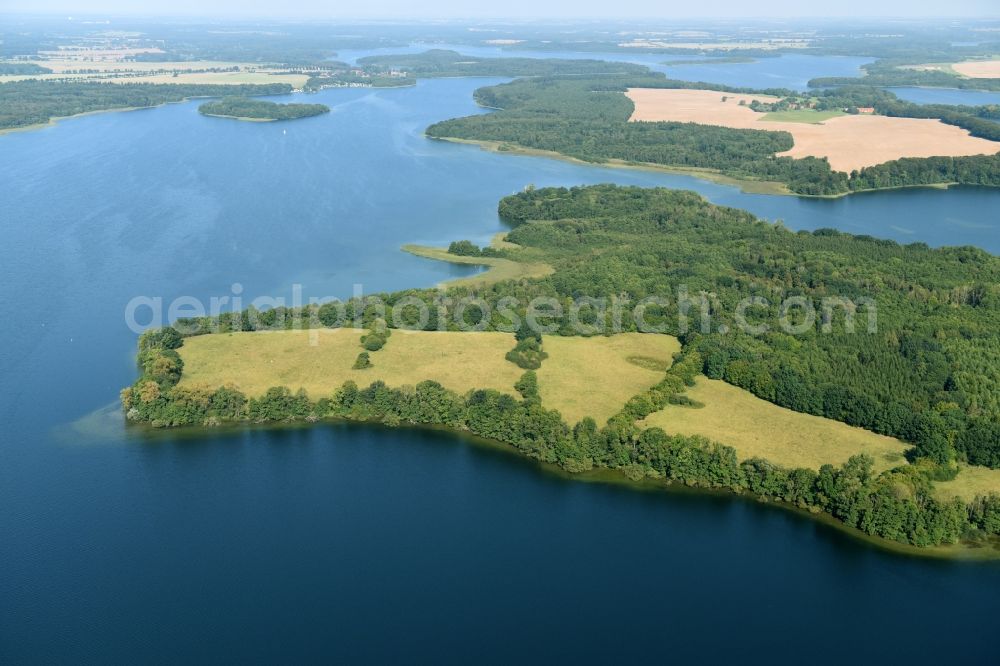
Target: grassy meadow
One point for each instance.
(254, 362)
(596, 376)
(757, 428)
(971, 481)
(582, 376)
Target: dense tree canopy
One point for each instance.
(440, 62)
(938, 311)
(22, 69)
(242, 107)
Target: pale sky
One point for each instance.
(526, 9)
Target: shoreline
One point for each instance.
(243, 118)
(499, 268)
(56, 119)
(961, 552)
(332, 86)
(745, 185)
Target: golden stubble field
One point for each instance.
(848, 142)
(978, 69)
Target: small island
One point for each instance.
(242, 108)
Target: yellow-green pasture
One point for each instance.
(596, 376)
(757, 428)
(582, 377)
(971, 481)
(320, 360)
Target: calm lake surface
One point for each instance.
(947, 96)
(351, 543)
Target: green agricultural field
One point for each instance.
(757, 428)
(596, 376)
(254, 362)
(800, 116)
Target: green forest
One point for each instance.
(22, 69)
(242, 107)
(938, 309)
(917, 375)
(32, 102)
(587, 118)
(441, 63)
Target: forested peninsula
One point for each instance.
(922, 375)
(242, 108)
(35, 102)
(437, 63)
(587, 118)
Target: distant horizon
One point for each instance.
(515, 10)
(497, 19)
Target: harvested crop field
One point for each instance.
(978, 69)
(849, 142)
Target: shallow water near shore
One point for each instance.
(343, 541)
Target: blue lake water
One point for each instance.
(791, 71)
(947, 96)
(341, 542)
